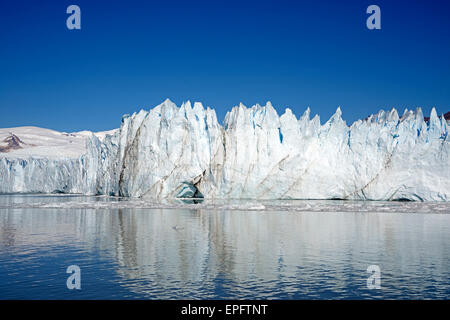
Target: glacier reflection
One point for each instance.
(160, 253)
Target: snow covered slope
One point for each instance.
(39, 142)
(38, 160)
(173, 151)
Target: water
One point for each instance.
(240, 250)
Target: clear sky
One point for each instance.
(130, 55)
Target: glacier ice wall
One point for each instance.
(382, 158)
(165, 152)
(185, 152)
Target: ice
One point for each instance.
(171, 152)
(46, 161)
(65, 202)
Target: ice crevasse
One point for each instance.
(172, 151)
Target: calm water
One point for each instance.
(188, 253)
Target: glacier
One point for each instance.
(184, 152)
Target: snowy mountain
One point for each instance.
(173, 151)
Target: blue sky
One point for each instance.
(130, 55)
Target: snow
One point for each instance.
(172, 151)
(46, 161)
(107, 203)
(47, 143)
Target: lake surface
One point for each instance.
(129, 249)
